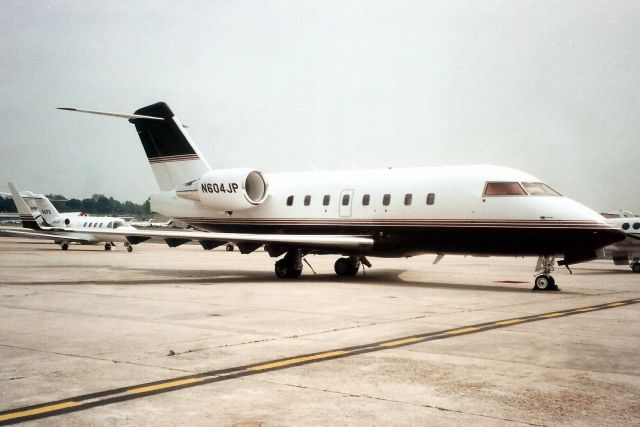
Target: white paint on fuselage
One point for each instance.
(631, 244)
(458, 195)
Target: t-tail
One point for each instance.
(174, 159)
(49, 213)
(30, 218)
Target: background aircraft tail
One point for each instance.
(49, 213)
(174, 159)
(27, 217)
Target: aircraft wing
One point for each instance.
(174, 238)
(41, 234)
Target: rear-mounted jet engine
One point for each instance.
(227, 189)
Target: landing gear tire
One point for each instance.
(284, 270)
(229, 247)
(544, 283)
(635, 267)
(346, 267)
(64, 246)
(128, 246)
(107, 246)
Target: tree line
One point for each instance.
(98, 204)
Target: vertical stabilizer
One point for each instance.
(174, 159)
(47, 210)
(26, 216)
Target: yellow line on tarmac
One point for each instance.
(37, 411)
(582, 310)
(552, 315)
(296, 360)
(508, 322)
(398, 342)
(163, 385)
(461, 331)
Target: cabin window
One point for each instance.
(539, 189)
(326, 199)
(290, 201)
(100, 225)
(636, 225)
(386, 199)
(625, 226)
(346, 198)
(503, 189)
(366, 199)
(307, 200)
(90, 224)
(85, 224)
(407, 199)
(431, 198)
(109, 225)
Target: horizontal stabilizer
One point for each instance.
(104, 113)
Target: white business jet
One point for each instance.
(43, 221)
(628, 250)
(472, 210)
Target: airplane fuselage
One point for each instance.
(409, 211)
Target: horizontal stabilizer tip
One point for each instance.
(105, 113)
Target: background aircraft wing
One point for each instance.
(175, 238)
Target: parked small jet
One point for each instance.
(474, 210)
(45, 222)
(627, 250)
(150, 223)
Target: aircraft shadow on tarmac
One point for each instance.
(379, 277)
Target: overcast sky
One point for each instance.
(549, 87)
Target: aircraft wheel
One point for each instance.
(229, 247)
(64, 246)
(285, 271)
(544, 283)
(345, 267)
(129, 248)
(107, 246)
(635, 267)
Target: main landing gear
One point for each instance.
(108, 246)
(545, 282)
(128, 246)
(290, 267)
(350, 266)
(64, 245)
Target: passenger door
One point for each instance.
(346, 201)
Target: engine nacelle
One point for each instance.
(227, 189)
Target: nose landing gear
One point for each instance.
(545, 282)
(635, 265)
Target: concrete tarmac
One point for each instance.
(183, 336)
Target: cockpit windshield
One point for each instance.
(503, 189)
(518, 189)
(118, 224)
(539, 189)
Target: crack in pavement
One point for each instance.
(384, 399)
